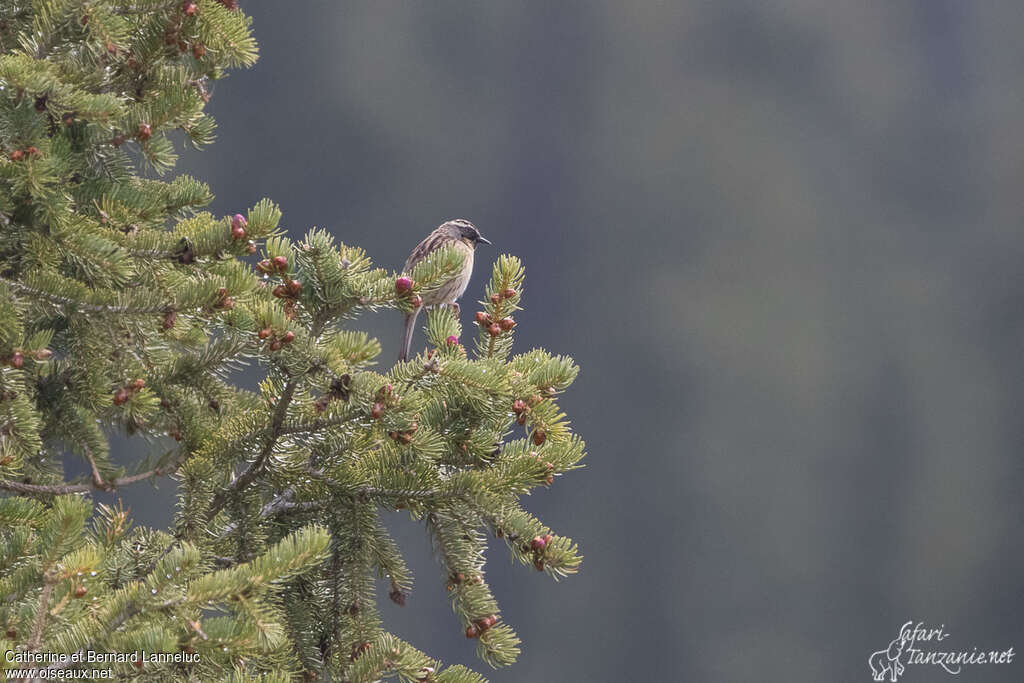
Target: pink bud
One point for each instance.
(238, 221)
(538, 543)
(403, 284)
(452, 340)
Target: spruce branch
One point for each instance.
(82, 306)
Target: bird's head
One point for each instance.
(461, 229)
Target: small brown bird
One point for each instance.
(460, 234)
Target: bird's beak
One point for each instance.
(483, 240)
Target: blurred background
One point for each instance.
(784, 242)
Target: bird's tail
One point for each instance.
(410, 326)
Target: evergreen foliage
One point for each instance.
(124, 307)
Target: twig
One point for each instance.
(49, 580)
(97, 478)
(281, 504)
(62, 489)
(246, 477)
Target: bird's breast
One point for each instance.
(467, 269)
(467, 261)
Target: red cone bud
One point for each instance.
(17, 155)
(452, 340)
(519, 405)
(294, 287)
(198, 50)
(281, 262)
(538, 543)
(145, 131)
(495, 298)
(507, 323)
(138, 384)
(264, 266)
(264, 333)
(472, 631)
(403, 285)
(508, 293)
(239, 221)
(279, 291)
(238, 233)
(377, 410)
(482, 318)
(521, 419)
(120, 396)
(288, 337)
(416, 302)
(275, 345)
(80, 591)
(539, 437)
(32, 151)
(485, 623)
(189, 8)
(494, 329)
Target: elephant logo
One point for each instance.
(885, 664)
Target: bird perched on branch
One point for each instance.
(460, 234)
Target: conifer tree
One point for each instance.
(125, 307)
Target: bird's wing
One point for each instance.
(432, 242)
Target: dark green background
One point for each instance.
(784, 242)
